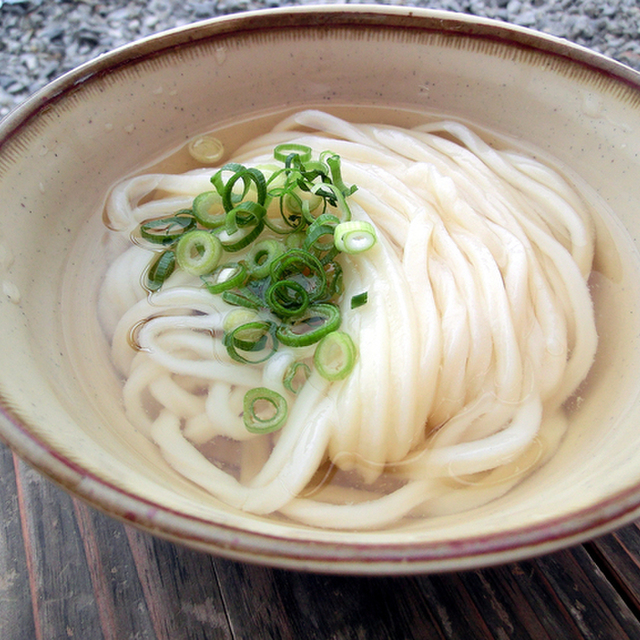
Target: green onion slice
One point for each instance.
(303, 267)
(292, 378)
(334, 163)
(319, 237)
(297, 201)
(287, 298)
(241, 239)
(167, 230)
(294, 240)
(246, 214)
(217, 179)
(198, 252)
(354, 236)
(283, 151)
(314, 169)
(261, 257)
(208, 210)
(289, 225)
(335, 356)
(159, 270)
(238, 317)
(225, 276)
(335, 279)
(251, 337)
(264, 410)
(318, 321)
(334, 196)
(243, 298)
(248, 176)
(290, 208)
(359, 299)
(323, 225)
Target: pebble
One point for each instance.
(42, 39)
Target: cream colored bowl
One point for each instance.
(63, 149)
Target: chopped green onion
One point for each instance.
(354, 236)
(251, 337)
(261, 257)
(217, 179)
(283, 151)
(238, 317)
(248, 176)
(323, 226)
(318, 321)
(287, 298)
(359, 299)
(244, 299)
(208, 209)
(316, 169)
(290, 224)
(334, 196)
(206, 149)
(263, 400)
(167, 230)
(335, 356)
(246, 214)
(291, 380)
(336, 175)
(302, 266)
(295, 240)
(289, 212)
(241, 239)
(297, 201)
(335, 284)
(225, 276)
(198, 252)
(285, 290)
(159, 270)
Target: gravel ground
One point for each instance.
(41, 39)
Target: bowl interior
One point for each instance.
(62, 152)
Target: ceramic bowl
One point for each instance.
(62, 151)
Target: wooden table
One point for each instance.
(67, 571)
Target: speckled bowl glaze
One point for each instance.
(62, 150)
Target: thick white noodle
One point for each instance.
(478, 327)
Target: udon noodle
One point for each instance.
(478, 328)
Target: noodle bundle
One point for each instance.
(478, 328)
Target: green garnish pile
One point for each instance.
(286, 283)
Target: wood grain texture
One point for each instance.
(68, 571)
(16, 614)
(61, 590)
(618, 555)
(119, 594)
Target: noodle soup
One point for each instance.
(472, 347)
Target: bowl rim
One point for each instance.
(240, 543)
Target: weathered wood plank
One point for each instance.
(254, 599)
(181, 590)
(574, 599)
(286, 605)
(618, 555)
(118, 593)
(16, 616)
(501, 604)
(62, 594)
(453, 606)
